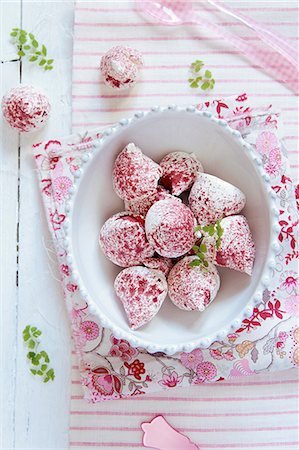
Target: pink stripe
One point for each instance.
(202, 446)
(294, 166)
(166, 94)
(194, 53)
(168, 38)
(249, 445)
(184, 66)
(180, 81)
(148, 24)
(180, 414)
(191, 430)
(216, 399)
(291, 138)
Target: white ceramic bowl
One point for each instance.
(224, 154)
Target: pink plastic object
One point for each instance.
(178, 12)
(158, 434)
(274, 40)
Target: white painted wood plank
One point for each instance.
(9, 142)
(42, 410)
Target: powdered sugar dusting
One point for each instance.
(123, 240)
(142, 292)
(192, 288)
(135, 176)
(163, 264)
(211, 199)
(169, 226)
(25, 108)
(237, 249)
(143, 205)
(179, 171)
(120, 67)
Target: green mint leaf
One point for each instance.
(31, 344)
(203, 248)
(33, 329)
(39, 372)
(44, 367)
(44, 50)
(21, 53)
(46, 379)
(34, 43)
(31, 36)
(210, 229)
(35, 361)
(26, 333)
(26, 47)
(13, 33)
(189, 79)
(195, 248)
(42, 62)
(50, 61)
(208, 74)
(33, 58)
(197, 228)
(16, 29)
(38, 53)
(195, 263)
(33, 371)
(22, 39)
(45, 356)
(205, 263)
(194, 84)
(50, 67)
(205, 85)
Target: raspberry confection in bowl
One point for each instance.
(135, 176)
(123, 239)
(169, 226)
(192, 288)
(142, 292)
(211, 199)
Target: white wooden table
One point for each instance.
(33, 415)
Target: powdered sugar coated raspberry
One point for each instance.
(192, 288)
(123, 240)
(179, 171)
(25, 108)
(143, 205)
(141, 291)
(211, 199)
(163, 264)
(135, 176)
(169, 226)
(120, 67)
(236, 249)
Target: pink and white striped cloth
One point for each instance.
(257, 412)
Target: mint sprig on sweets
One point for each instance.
(201, 78)
(39, 361)
(201, 249)
(29, 47)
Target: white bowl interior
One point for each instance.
(95, 201)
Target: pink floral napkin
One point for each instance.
(268, 340)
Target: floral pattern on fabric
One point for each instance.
(268, 340)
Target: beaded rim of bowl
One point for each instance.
(255, 299)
